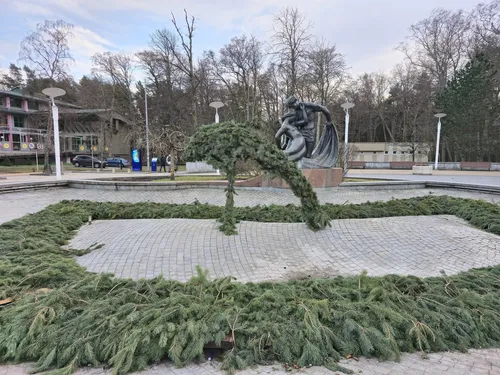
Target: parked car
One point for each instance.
(87, 161)
(117, 162)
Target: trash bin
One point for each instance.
(154, 163)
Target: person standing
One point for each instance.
(163, 163)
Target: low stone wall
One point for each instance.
(422, 170)
(475, 166)
(319, 178)
(448, 166)
(199, 167)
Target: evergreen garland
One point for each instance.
(64, 317)
(223, 145)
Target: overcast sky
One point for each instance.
(365, 31)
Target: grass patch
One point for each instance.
(64, 317)
(32, 168)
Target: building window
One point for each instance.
(76, 142)
(394, 152)
(3, 119)
(18, 121)
(386, 152)
(32, 105)
(16, 102)
(402, 152)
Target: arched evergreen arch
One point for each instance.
(222, 145)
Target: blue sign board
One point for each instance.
(136, 160)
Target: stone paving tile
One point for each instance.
(417, 245)
(15, 205)
(476, 362)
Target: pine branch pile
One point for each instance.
(226, 144)
(64, 317)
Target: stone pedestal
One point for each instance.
(318, 178)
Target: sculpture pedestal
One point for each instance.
(318, 178)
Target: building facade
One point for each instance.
(23, 127)
(391, 152)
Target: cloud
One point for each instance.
(33, 8)
(363, 30)
(383, 61)
(83, 45)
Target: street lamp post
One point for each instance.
(439, 117)
(216, 105)
(36, 153)
(54, 92)
(346, 106)
(147, 122)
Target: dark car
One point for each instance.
(87, 161)
(117, 162)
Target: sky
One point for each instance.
(366, 32)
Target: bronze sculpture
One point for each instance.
(297, 134)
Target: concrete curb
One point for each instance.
(21, 186)
(166, 186)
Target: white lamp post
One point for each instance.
(439, 116)
(216, 105)
(147, 122)
(54, 92)
(346, 106)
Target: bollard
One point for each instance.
(113, 170)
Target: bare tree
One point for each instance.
(290, 42)
(238, 69)
(46, 50)
(184, 60)
(439, 44)
(117, 70)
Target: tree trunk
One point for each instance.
(172, 163)
(101, 141)
(228, 219)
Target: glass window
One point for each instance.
(76, 142)
(386, 152)
(19, 121)
(32, 105)
(16, 102)
(394, 152)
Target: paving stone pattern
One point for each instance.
(476, 362)
(15, 205)
(420, 246)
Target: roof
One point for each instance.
(20, 93)
(99, 112)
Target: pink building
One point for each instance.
(23, 125)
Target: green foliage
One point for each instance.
(6, 162)
(63, 317)
(470, 100)
(228, 144)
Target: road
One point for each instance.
(468, 177)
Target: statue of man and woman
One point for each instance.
(297, 135)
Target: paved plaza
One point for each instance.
(420, 246)
(476, 362)
(470, 248)
(15, 205)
